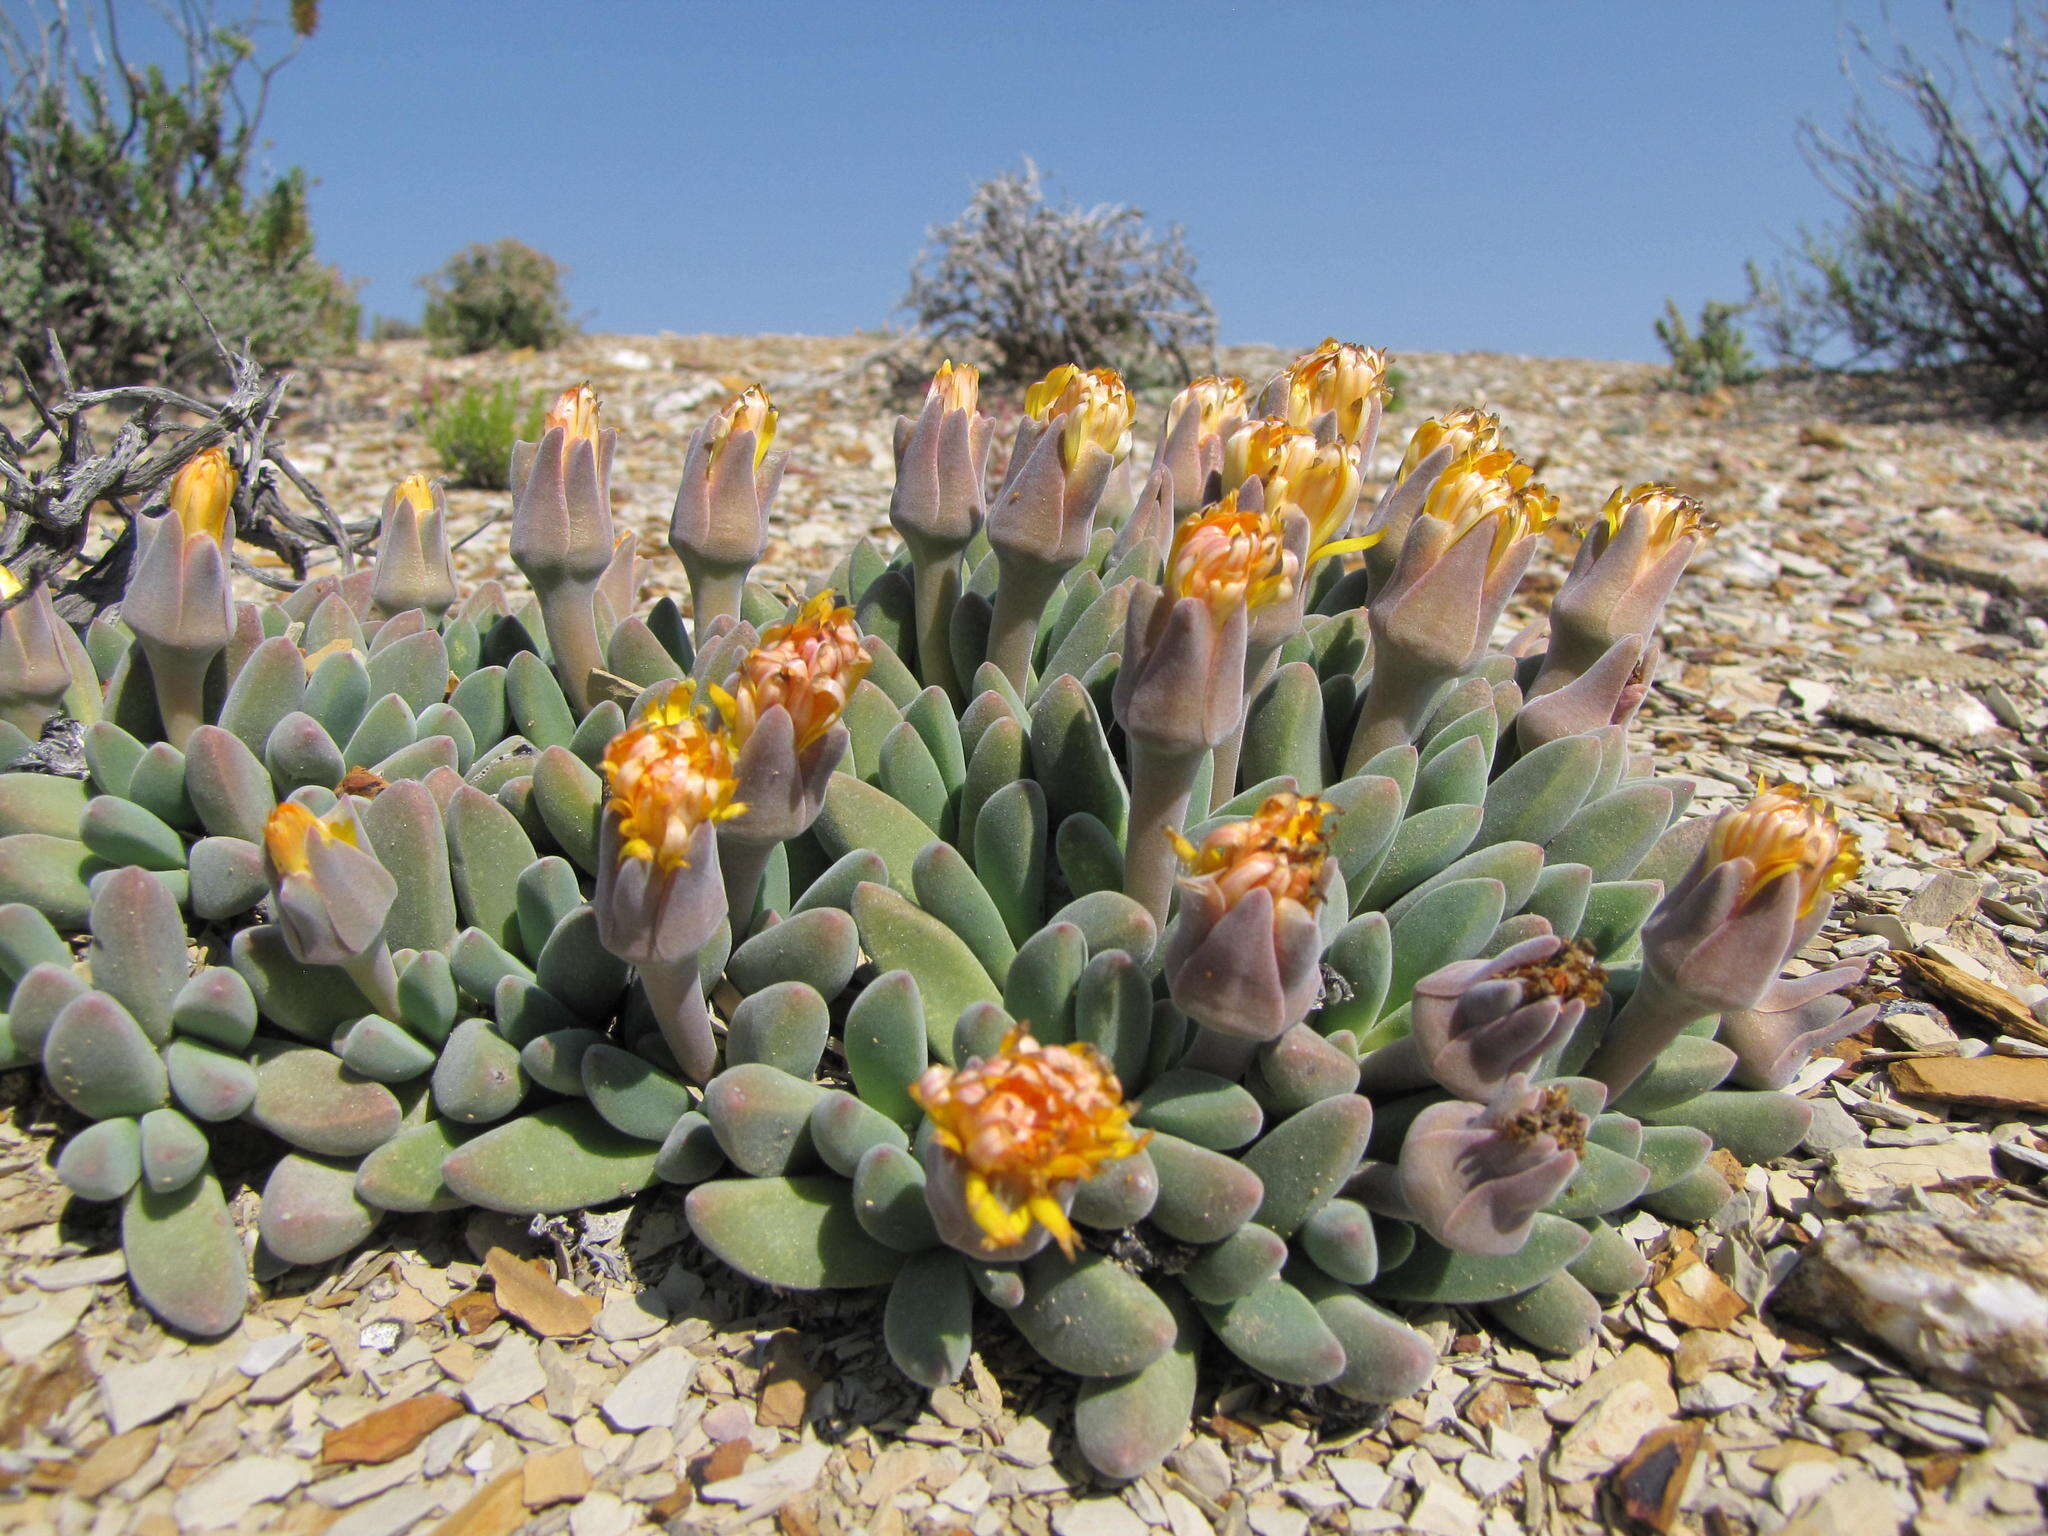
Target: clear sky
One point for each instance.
(1512, 175)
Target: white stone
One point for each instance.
(511, 1375)
(49, 1320)
(389, 1514)
(265, 1354)
(94, 1269)
(1183, 1517)
(1205, 1465)
(1486, 1475)
(1279, 1520)
(446, 1443)
(134, 1395)
(649, 1395)
(601, 1514)
(770, 1484)
(225, 1495)
(631, 1315)
(1716, 1392)
(1096, 1517)
(1443, 1511)
(967, 1493)
(1365, 1483)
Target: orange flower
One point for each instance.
(1337, 376)
(956, 386)
(1093, 407)
(1231, 559)
(750, 411)
(669, 774)
(1027, 1121)
(1319, 480)
(1464, 429)
(418, 492)
(292, 830)
(809, 665)
(575, 411)
(1280, 847)
(1672, 515)
(201, 491)
(1490, 486)
(1214, 400)
(1784, 833)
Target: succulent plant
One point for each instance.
(1166, 915)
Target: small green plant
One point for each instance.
(496, 297)
(472, 432)
(1716, 356)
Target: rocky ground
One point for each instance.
(1857, 1343)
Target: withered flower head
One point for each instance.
(1465, 429)
(668, 774)
(292, 831)
(1027, 1122)
(201, 492)
(956, 386)
(1281, 848)
(1231, 559)
(1784, 834)
(1489, 491)
(1672, 515)
(1337, 376)
(809, 665)
(750, 411)
(1213, 399)
(1092, 407)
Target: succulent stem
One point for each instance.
(1397, 705)
(1228, 1056)
(1260, 663)
(567, 610)
(1162, 782)
(180, 679)
(676, 993)
(1655, 1015)
(1020, 601)
(937, 585)
(742, 862)
(715, 592)
(376, 978)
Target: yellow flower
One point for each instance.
(1231, 559)
(201, 491)
(957, 387)
(1215, 401)
(10, 584)
(1786, 834)
(1672, 515)
(418, 492)
(750, 411)
(1093, 407)
(575, 411)
(1281, 848)
(1490, 486)
(1027, 1122)
(668, 775)
(1321, 480)
(810, 666)
(1464, 429)
(1337, 376)
(292, 830)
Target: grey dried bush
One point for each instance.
(1031, 285)
(134, 224)
(1943, 256)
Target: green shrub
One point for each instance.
(495, 297)
(1715, 356)
(472, 431)
(132, 215)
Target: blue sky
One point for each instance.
(1524, 177)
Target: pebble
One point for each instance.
(134, 1395)
(651, 1394)
(222, 1498)
(266, 1354)
(1097, 1517)
(510, 1375)
(1443, 1511)
(1364, 1482)
(1278, 1520)
(773, 1482)
(94, 1269)
(631, 1315)
(1833, 1128)
(388, 1514)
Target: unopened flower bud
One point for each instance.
(562, 530)
(1340, 387)
(720, 523)
(35, 671)
(178, 600)
(328, 890)
(1624, 572)
(413, 567)
(1198, 420)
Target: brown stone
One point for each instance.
(728, 1460)
(1987, 999)
(1650, 1483)
(496, 1509)
(1695, 1297)
(555, 1477)
(2012, 566)
(787, 1382)
(473, 1311)
(1998, 1082)
(528, 1292)
(388, 1433)
(112, 1461)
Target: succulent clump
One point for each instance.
(1027, 1124)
